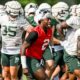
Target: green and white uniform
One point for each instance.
(48, 52)
(11, 32)
(58, 49)
(30, 19)
(1, 15)
(70, 44)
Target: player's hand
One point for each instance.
(25, 71)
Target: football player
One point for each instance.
(12, 26)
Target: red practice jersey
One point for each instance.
(37, 48)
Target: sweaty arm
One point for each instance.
(68, 23)
(31, 38)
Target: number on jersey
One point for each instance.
(46, 42)
(10, 31)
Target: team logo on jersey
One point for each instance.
(78, 63)
(16, 59)
(38, 65)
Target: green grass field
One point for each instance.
(24, 77)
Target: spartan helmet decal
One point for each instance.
(60, 10)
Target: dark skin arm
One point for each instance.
(56, 41)
(53, 28)
(53, 39)
(62, 26)
(31, 38)
(23, 47)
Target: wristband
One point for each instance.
(61, 43)
(23, 61)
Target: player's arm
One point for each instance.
(29, 28)
(26, 25)
(53, 39)
(53, 29)
(63, 25)
(66, 24)
(56, 41)
(31, 38)
(60, 28)
(28, 41)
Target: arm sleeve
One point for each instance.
(32, 37)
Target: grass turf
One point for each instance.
(24, 77)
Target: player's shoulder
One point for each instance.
(4, 18)
(37, 28)
(21, 20)
(73, 18)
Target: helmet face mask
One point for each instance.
(63, 14)
(44, 11)
(44, 7)
(14, 14)
(42, 14)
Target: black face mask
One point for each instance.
(14, 16)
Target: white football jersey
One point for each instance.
(74, 22)
(11, 31)
(70, 44)
(1, 15)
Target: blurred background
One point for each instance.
(51, 2)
